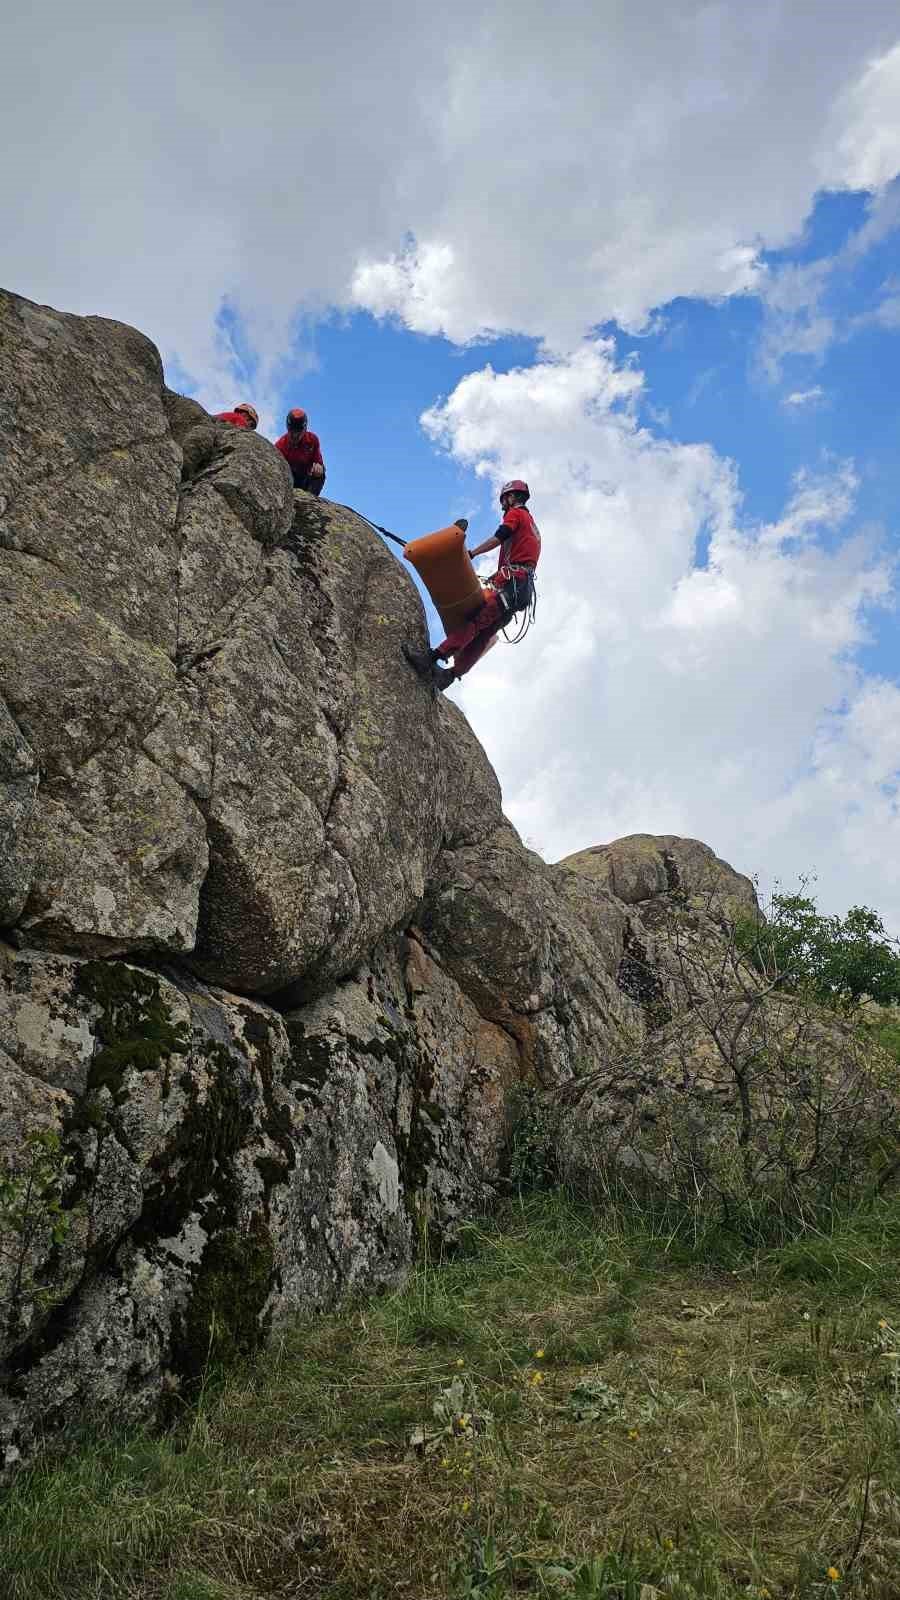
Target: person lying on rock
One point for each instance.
(302, 452)
(243, 416)
(509, 590)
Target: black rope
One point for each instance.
(530, 610)
(528, 616)
(462, 523)
(376, 525)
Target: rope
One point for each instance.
(528, 615)
(376, 525)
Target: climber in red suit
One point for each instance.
(243, 416)
(508, 591)
(302, 452)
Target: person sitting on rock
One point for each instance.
(509, 590)
(243, 416)
(302, 452)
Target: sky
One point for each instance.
(645, 256)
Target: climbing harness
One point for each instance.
(509, 593)
(515, 602)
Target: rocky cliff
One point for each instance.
(271, 957)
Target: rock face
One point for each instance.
(271, 956)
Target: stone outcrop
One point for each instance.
(271, 957)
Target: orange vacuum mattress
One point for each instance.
(442, 562)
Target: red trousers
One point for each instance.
(468, 643)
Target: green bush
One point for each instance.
(836, 960)
(532, 1155)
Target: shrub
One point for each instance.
(764, 1108)
(836, 960)
(532, 1154)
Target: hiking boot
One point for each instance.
(442, 677)
(421, 660)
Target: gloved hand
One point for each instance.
(316, 471)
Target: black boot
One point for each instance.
(422, 660)
(442, 677)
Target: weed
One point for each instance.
(742, 1441)
(33, 1221)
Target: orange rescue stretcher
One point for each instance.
(443, 563)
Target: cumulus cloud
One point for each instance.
(796, 298)
(689, 671)
(865, 153)
(219, 175)
(493, 165)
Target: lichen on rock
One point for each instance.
(275, 960)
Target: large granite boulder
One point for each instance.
(205, 671)
(184, 1168)
(271, 958)
(644, 866)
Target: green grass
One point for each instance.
(734, 1431)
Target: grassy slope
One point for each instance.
(742, 1436)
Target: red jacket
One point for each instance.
(301, 452)
(521, 541)
(238, 419)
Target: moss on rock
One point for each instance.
(134, 1028)
(225, 1320)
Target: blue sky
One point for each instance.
(647, 257)
(367, 381)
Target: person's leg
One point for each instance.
(462, 644)
(460, 638)
(315, 486)
(456, 640)
(425, 662)
(465, 660)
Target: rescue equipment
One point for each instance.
(442, 562)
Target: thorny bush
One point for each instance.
(777, 1110)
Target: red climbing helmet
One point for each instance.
(516, 486)
(296, 418)
(249, 411)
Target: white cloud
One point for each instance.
(866, 151)
(501, 164)
(803, 399)
(494, 165)
(717, 697)
(795, 297)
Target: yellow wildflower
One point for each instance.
(833, 1574)
(882, 1323)
(465, 1505)
(538, 1355)
(460, 1362)
(537, 1377)
(633, 1433)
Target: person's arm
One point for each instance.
(489, 544)
(317, 458)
